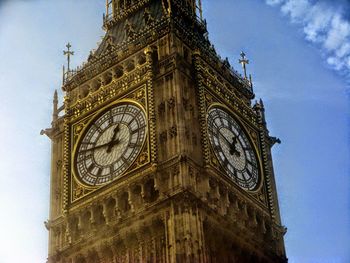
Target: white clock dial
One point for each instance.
(111, 144)
(233, 148)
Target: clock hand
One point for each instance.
(227, 142)
(115, 131)
(111, 142)
(111, 145)
(100, 146)
(232, 145)
(233, 149)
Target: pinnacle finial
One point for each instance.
(261, 103)
(55, 106)
(55, 96)
(244, 61)
(68, 53)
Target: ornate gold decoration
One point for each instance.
(143, 158)
(173, 201)
(148, 17)
(77, 190)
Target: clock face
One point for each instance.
(111, 144)
(233, 149)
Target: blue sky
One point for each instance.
(299, 53)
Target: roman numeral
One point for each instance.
(125, 161)
(217, 148)
(248, 174)
(84, 157)
(110, 118)
(247, 148)
(230, 127)
(136, 130)
(226, 162)
(88, 143)
(254, 179)
(249, 168)
(222, 122)
(98, 128)
(91, 167)
(111, 168)
(133, 145)
(235, 173)
(239, 132)
(251, 163)
(134, 117)
(125, 109)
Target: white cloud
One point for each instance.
(316, 22)
(335, 63)
(338, 33)
(344, 50)
(296, 9)
(323, 23)
(273, 2)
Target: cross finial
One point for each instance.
(68, 53)
(244, 61)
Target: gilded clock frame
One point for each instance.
(78, 189)
(213, 158)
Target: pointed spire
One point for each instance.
(55, 96)
(260, 110)
(55, 107)
(199, 10)
(262, 104)
(63, 75)
(250, 81)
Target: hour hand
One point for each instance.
(111, 144)
(233, 149)
(235, 152)
(113, 141)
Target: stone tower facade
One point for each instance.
(158, 154)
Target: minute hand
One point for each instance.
(227, 141)
(101, 146)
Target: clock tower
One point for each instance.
(158, 153)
